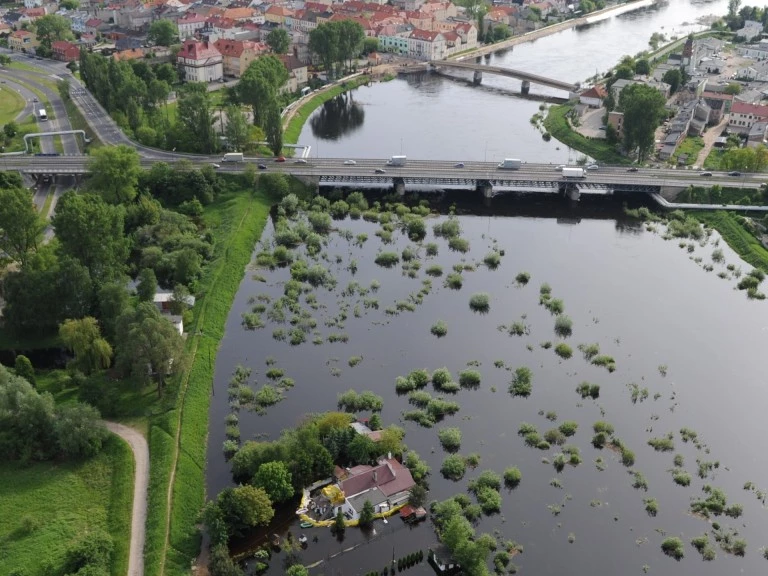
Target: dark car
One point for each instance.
(707, 174)
(734, 173)
(380, 171)
(459, 165)
(633, 169)
(262, 166)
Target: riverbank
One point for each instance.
(46, 507)
(734, 230)
(178, 438)
(559, 127)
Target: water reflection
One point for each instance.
(338, 117)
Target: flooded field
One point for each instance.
(587, 317)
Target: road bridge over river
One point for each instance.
(527, 78)
(425, 174)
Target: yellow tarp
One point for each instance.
(334, 494)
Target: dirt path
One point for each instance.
(709, 137)
(139, 515)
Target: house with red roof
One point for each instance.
(384, 485)
(190, 23)
(23, 41)
(426, 45)
(744, 115)
(277, 14)
(199, 62)
(594, 96)
(65, 51)
(237, 55)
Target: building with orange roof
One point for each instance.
(237, 55)
(199, 62)
(277, 14)
(23, 41)
(65, 51)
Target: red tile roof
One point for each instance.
(753, 109)
(426, 35)
(390, 477)
(196, 50)
(595, 92)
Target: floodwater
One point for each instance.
(643, 299)
(432, 117)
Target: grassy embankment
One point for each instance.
(292, 129)
(178, 438)
(46, 507)
(733, 230)
(11, 103)
(691, 146)
(559, 127)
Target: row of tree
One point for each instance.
(336, 44)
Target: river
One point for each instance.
(643, 299)
(433, 117)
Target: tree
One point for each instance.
(297, 570)
(643, 108)
(733, 88)
(49, 29)
(112, 301)
(351, 36)
(195, 118)
(147, 285)
(21, 226)
(674, 78)
(361, 449)
(366, 514)
(92, 550)
(5, 60)
(163, 32)
(278, 41)
(10, 129)
(259, 85)
(23, 368)
(339, 526)
(69, 4)
(275, 479)
(642, 66)
(91, 231)
(370, 45)
(417, 496)
(79, 431)
(26, 420)
(245, 507)
(83, 337)
(179, 300)
(236, 130)
(374, 423)
(221, 564)
(273, 128)
(324, 43)
(114, 173)
(149, 347)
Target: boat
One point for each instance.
(306, 525)
(302, 539)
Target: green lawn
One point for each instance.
(557, 125)
(732, 228)
(44, 508)
(11, 103)
(692, 145)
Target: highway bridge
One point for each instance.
(425, 174)
(526, 77)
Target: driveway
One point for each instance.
(141, 482)
(591, 122)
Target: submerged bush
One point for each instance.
(523, 278)
(450, 439)
(454, 280)
(673, 547)
(563, 326)
(522, 382)
(512, 476)
(492, 260)
(387, 259)
(480, 302)
(439, 329)
(453, 467)
(469, 378)
(459, 244)
(586, 389)
(434, 270)
(563, 350)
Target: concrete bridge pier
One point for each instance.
(486, 188)
(477, 78)
(399, 185)
(525, 87)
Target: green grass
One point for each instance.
(293, 129)
(236, 221)
(712, 161)
(64, 501)
(557, 125)
(691, 145)
(737, 236)
(11, 103)
(77, 122)
(48, 201)
(26, 126)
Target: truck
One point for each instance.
(233, 157)
(510, 164)
(569, 172)
(397, 161)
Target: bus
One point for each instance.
(42, 115)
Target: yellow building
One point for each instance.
(23, 41)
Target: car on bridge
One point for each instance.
(380, 171)
(459, 165)
(734, 173)
(280, 159)
(593, 167)
(349, 162)
(706, 174)
(633, 169)
(262, 166)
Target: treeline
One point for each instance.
(738, 15)
(336, 44)
(32, 428)
(127, 224)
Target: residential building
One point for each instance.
(189, 24)
(426, 45)
(744, 115)
(135, 19)
(757, 51)
(237, 55)
(78, 20)
(199, 62)
(757, 134)
(384, 485)
(277, 14)
(94, 25)
(23, 41)
(397, 44)
(65, 51)
(297, 71)
(32, 3)
(751, 30)
(594, 96)
(758, 71)
(616, 119)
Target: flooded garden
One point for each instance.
(585, 383)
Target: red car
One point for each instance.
(280, 159)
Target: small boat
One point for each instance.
(306, 524)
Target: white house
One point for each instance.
(757, 51)
(32, 3)
(199, 62)
(189, 24)
(426, 45)
(593, 97)
(744, 115)
(751, 30)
